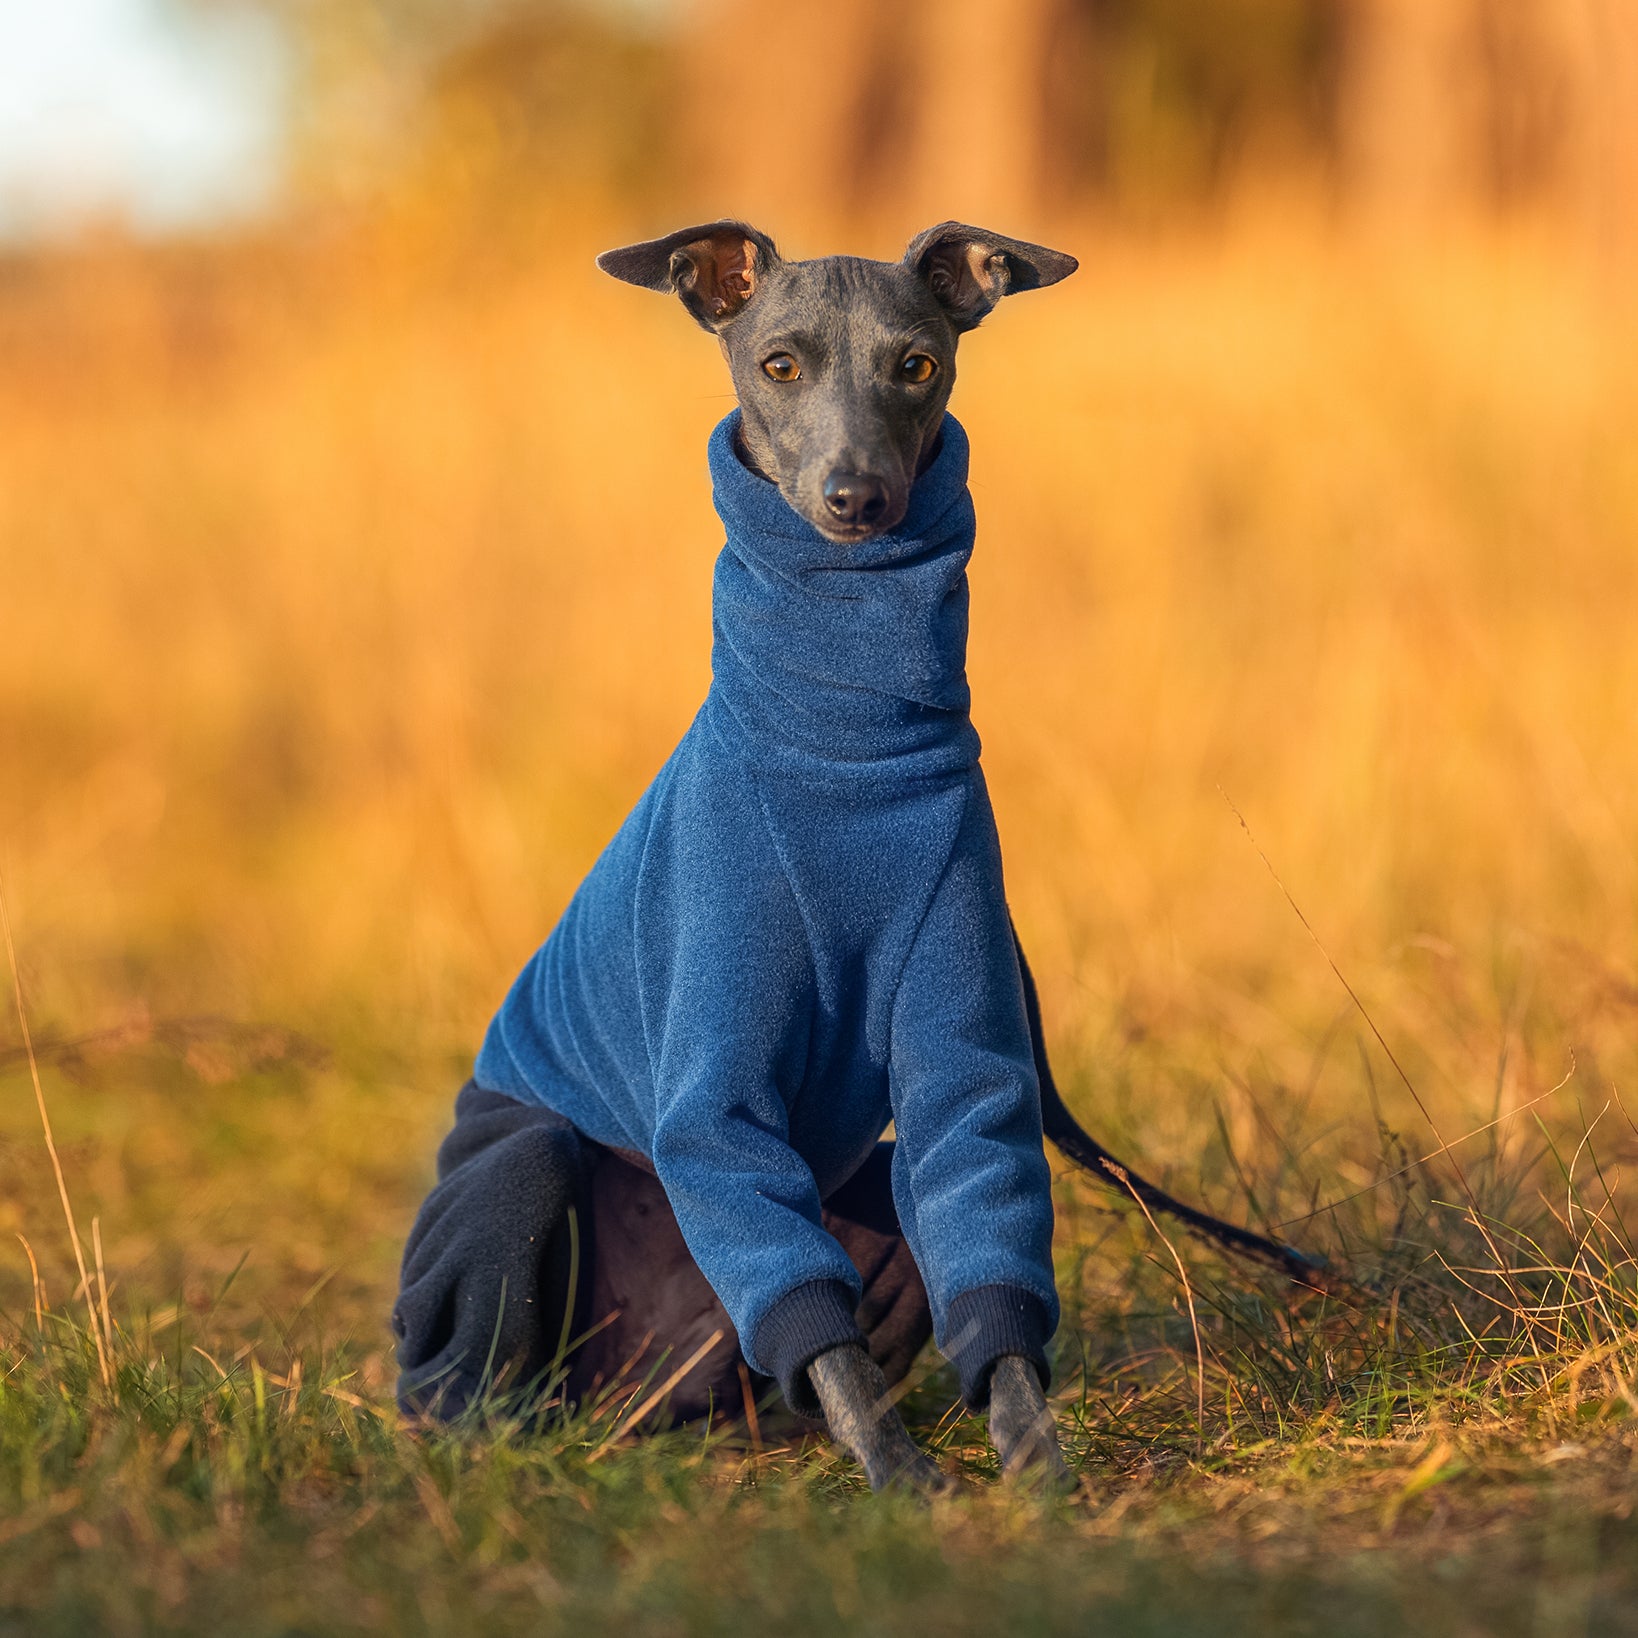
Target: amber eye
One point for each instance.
(781, 367)
(917, 368)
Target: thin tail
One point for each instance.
(1066, 1134)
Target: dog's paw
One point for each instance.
(1024, 1432)
(1040, 1472)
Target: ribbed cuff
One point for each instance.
(807, 1321)
(988, 1324)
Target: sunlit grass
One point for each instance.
(1437, 1443)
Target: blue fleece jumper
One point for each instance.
(799, 934)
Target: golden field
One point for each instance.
(348, 609)
(353, 589)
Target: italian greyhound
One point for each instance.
(798, 936)
(843, 368)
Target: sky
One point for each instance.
(164, 116)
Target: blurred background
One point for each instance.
(355, 544)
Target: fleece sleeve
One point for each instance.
(747, 1203)
(728, 1031)
(971, 1181)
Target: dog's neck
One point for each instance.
(843, 662)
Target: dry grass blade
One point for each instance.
(92, 1318)
(1188, 1297)
(39, 1289)
(636, 1414)
(753, 1422)
(438, 1511)
(102, 1279)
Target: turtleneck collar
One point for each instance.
(836, 663)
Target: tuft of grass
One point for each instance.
(211, 1490)
(1415, 1452)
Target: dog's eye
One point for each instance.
(781, 367)
(917, 368)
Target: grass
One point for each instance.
(1417, 1455)
(340, 631)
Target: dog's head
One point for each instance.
(843, 366)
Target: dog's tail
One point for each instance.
(1066, 1134)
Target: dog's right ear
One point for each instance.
(715, 269)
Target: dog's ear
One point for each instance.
(715, 269)
(970, 269)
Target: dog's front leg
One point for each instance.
(1022, 1427)
(861, 1414)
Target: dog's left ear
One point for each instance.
(715, 268)
(970, 269)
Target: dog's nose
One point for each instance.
(855, 497)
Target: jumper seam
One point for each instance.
(802, 916)
(927, 909)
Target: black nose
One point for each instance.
(855, 497)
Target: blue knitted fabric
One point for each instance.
(800, 934)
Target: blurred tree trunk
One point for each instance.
(788, 107)
(983, 148)
(1602, 48)
(819, 118)
(1409, 104)
(1452, 105)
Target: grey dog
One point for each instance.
(844, 453)
(843, 368)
